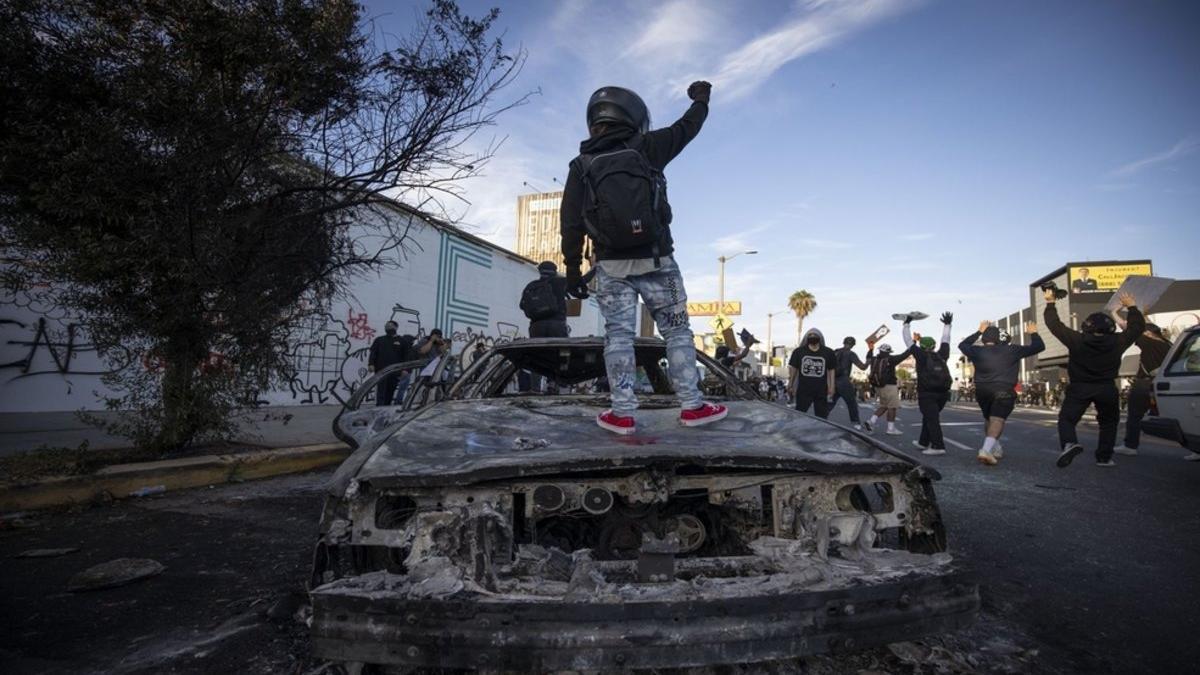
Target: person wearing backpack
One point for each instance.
(881, 372)
(544, 302)
(997, 366)
(933, 384)
(616, 195)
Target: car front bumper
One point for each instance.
(529, 634)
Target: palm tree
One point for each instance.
(802, 303)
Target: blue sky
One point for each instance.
(884, 155)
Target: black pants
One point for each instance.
(818, 400)
(385, 390)
(931, 404)
(844, 389)
(1080, 395)
(548, 328)
(1139, 403)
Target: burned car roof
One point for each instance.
(472, 439)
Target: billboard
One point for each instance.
(1103, 279)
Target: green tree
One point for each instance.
(195, 178)
(802, 303)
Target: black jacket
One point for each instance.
(660, 147)
(389, 349)
(1094, 358)
(998, 365)
(846, 360)
(559, 284)
(887, 367)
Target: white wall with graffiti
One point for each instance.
(448, 279)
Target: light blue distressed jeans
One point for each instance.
(662, 291)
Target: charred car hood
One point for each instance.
(460, 442)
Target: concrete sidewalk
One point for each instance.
(270, 426)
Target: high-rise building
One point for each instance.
(538, 235)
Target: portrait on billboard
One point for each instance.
(1089, 279)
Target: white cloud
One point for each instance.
(738, 241)
(1183, 148)
(822, 243)
(674, 33)
(917, 236)
(820, 25)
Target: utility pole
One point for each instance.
(770, 345)
(721, 279)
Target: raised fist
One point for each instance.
(947, 317)
(699, 91)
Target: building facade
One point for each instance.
(448, 279)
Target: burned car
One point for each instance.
(503, 530)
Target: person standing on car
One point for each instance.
(1093, 361)
(544, 302)
(616, 195)
(388, 349)
(997, 367)
(812, 371)
(843, 388)
(933, 384)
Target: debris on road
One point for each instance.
(45, 552)
(114, 573)
(530, 443)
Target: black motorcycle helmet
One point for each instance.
(1099, 323)
(617, 105)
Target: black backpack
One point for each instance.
(881, 370)
(538, 300)
(935, 376)
(625, 205)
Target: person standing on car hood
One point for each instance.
(616, 195)
(811, 371)
(1093, 361)
(997, 367)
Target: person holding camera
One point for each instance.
(1093, 361)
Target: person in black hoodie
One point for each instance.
(933, 384)
(1154, 346)
(618, 124)
(812, 368)
(843, 388)
(997, 367)
(544, 302)
(1093, 361)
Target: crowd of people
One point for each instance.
(615, 196)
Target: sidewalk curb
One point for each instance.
(123, 480)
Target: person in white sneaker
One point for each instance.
(933, 383)
(881, 372)
(996, 371)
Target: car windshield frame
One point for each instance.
(487, 376)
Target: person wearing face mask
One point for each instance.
(812, 367)
(1154, 347)
(1093, 361)
(386, 350)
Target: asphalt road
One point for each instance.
(1099, 565)
(1095, 569)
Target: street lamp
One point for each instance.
(721, 282)
(771, 347)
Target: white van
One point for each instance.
(1177, 393)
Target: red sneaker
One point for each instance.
(618, 424)
(709, 412)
